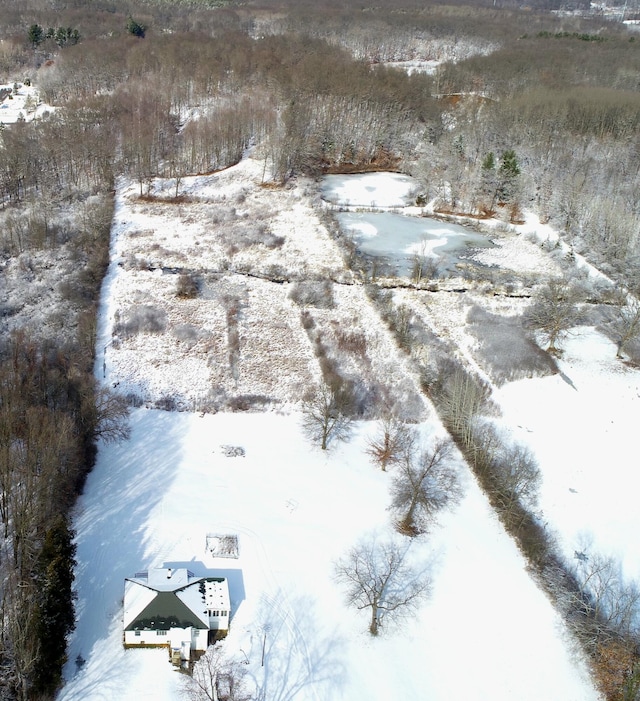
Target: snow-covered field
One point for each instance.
(486, 631)
(230, 235)
(581, 426)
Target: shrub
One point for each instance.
(306, 320)
(351, 342)
(135, 28)
(247, 402)
(188, 286)
(186, 333)
(142, 319)
(247, 235)
(616, 667)
(166, 403)
(313, 293)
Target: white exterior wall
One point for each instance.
(219, 622)
(146, 637)
(200, 639)
(197, 637)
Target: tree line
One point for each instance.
(54, 190)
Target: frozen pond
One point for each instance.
(370, 190)
(395, 239)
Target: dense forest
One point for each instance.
(527, 110)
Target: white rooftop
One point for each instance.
(216, 594)
(168, 579)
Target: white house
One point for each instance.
(172, 608)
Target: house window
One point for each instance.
(161, 632)
(137, 632)
(223, 613)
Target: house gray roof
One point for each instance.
(166, 611)
(172, 598)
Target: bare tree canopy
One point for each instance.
(625, 325)
(325, 414)
(425, 481)
(390, 443)
(111, 416)
(554, 312)
(519, 475)
(216, 677)
(461, 396)
(377, 577)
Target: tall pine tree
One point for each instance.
(56, 614)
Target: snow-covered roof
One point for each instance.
(217, 594)
(169, 579)
(164, 598)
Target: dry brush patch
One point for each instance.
(352, 342)
(275, 358)
(209, 335)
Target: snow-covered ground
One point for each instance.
(152, 500)
(486, 631)
(22, 103)
(581, 426)
(416, 66)
(379, 190)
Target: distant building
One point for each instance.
(172, 608)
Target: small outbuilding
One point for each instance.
(173, 608)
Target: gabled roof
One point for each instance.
(166, 598)
(166, 611)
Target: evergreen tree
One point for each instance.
(135, 28)
(488, 185)
(35, 34)
(489, 162)
(509, 167)
(508, 177)
(56, 613)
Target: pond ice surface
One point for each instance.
(370, 189)
(391, 237)
(396, 239)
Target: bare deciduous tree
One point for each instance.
(461, 397)
(216, 677)
(422, 264)
(389, 444)
(554, 312)
(379, 579)
(611, 600)
(109, 414)
(425, 482)
(518, 475)
(625, 326)
(511, 472)
(325, 414)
